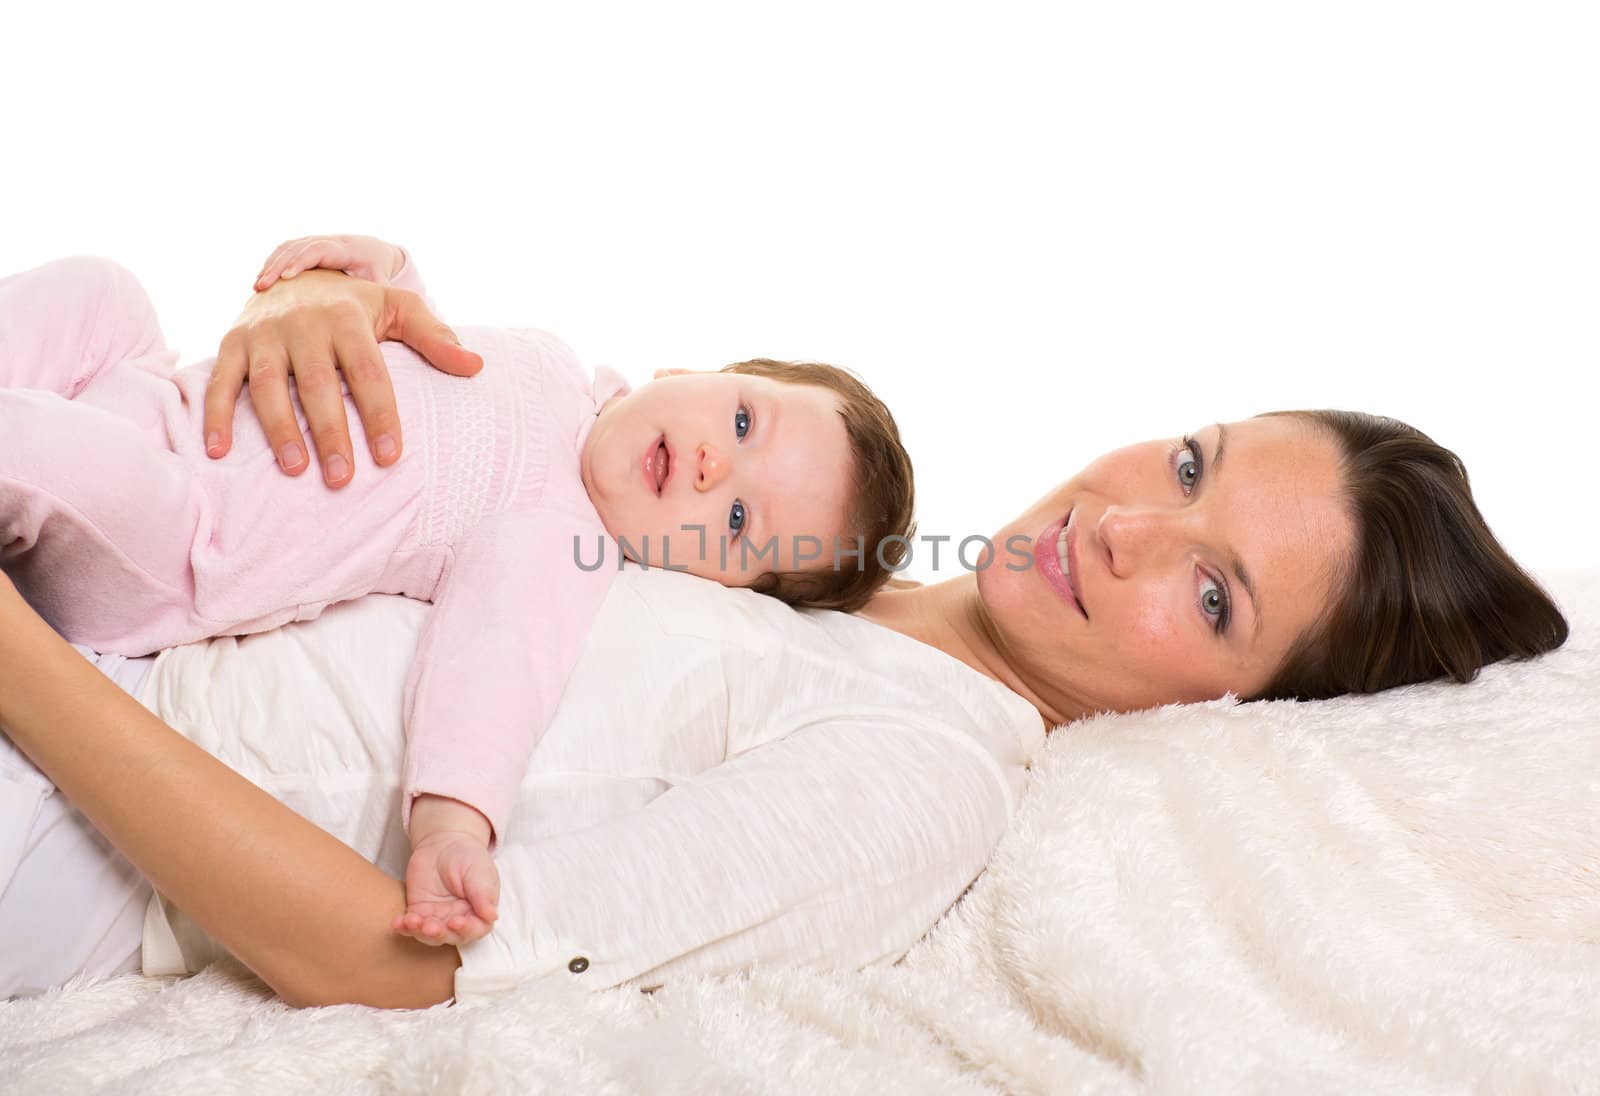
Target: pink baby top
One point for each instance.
(145, 542)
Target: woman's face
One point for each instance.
(1186, 570)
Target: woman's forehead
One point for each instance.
(1276, 486)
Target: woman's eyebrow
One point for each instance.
(1233, 557)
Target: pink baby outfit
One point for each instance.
(128, 538)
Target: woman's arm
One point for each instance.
(838, 845)
(302, 910)
(364, 257)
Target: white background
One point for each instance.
(1039, 231)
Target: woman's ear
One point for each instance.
(659, 373)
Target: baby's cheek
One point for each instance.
(719, 556)
(806, 552)
(625, 523)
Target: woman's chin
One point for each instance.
(1022, 608)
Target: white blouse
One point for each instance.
(727, 780)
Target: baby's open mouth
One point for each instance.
(661, 464)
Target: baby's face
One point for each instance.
(721, 474)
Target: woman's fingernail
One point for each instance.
(291, 455)
(338, 467)
(386, 447)
(214, 443)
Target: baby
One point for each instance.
(508, 510)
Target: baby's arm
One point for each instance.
(491, 664)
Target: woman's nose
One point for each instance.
(1128, 535)
(712, 466)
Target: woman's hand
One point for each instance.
(365, 257)
(312, 327)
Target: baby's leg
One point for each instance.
(97, 521)
(64, 324)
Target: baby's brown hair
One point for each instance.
(880, 504)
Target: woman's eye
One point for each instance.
(741, 423)
(1214, 603)
(736, 516)
(1187, 461)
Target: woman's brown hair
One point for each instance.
(1430, 592)
(881, 502)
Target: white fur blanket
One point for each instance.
(1386, 894)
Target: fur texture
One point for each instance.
(1397, 893)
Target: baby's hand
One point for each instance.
(452, 890)
(366, 257)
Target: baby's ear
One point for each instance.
(670, 373)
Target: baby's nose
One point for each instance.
(713, 466)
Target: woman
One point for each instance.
(865, 766)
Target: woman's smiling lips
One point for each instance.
(658, 465)
(1058, 539)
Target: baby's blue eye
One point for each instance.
(741, 423)
(736, 516)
